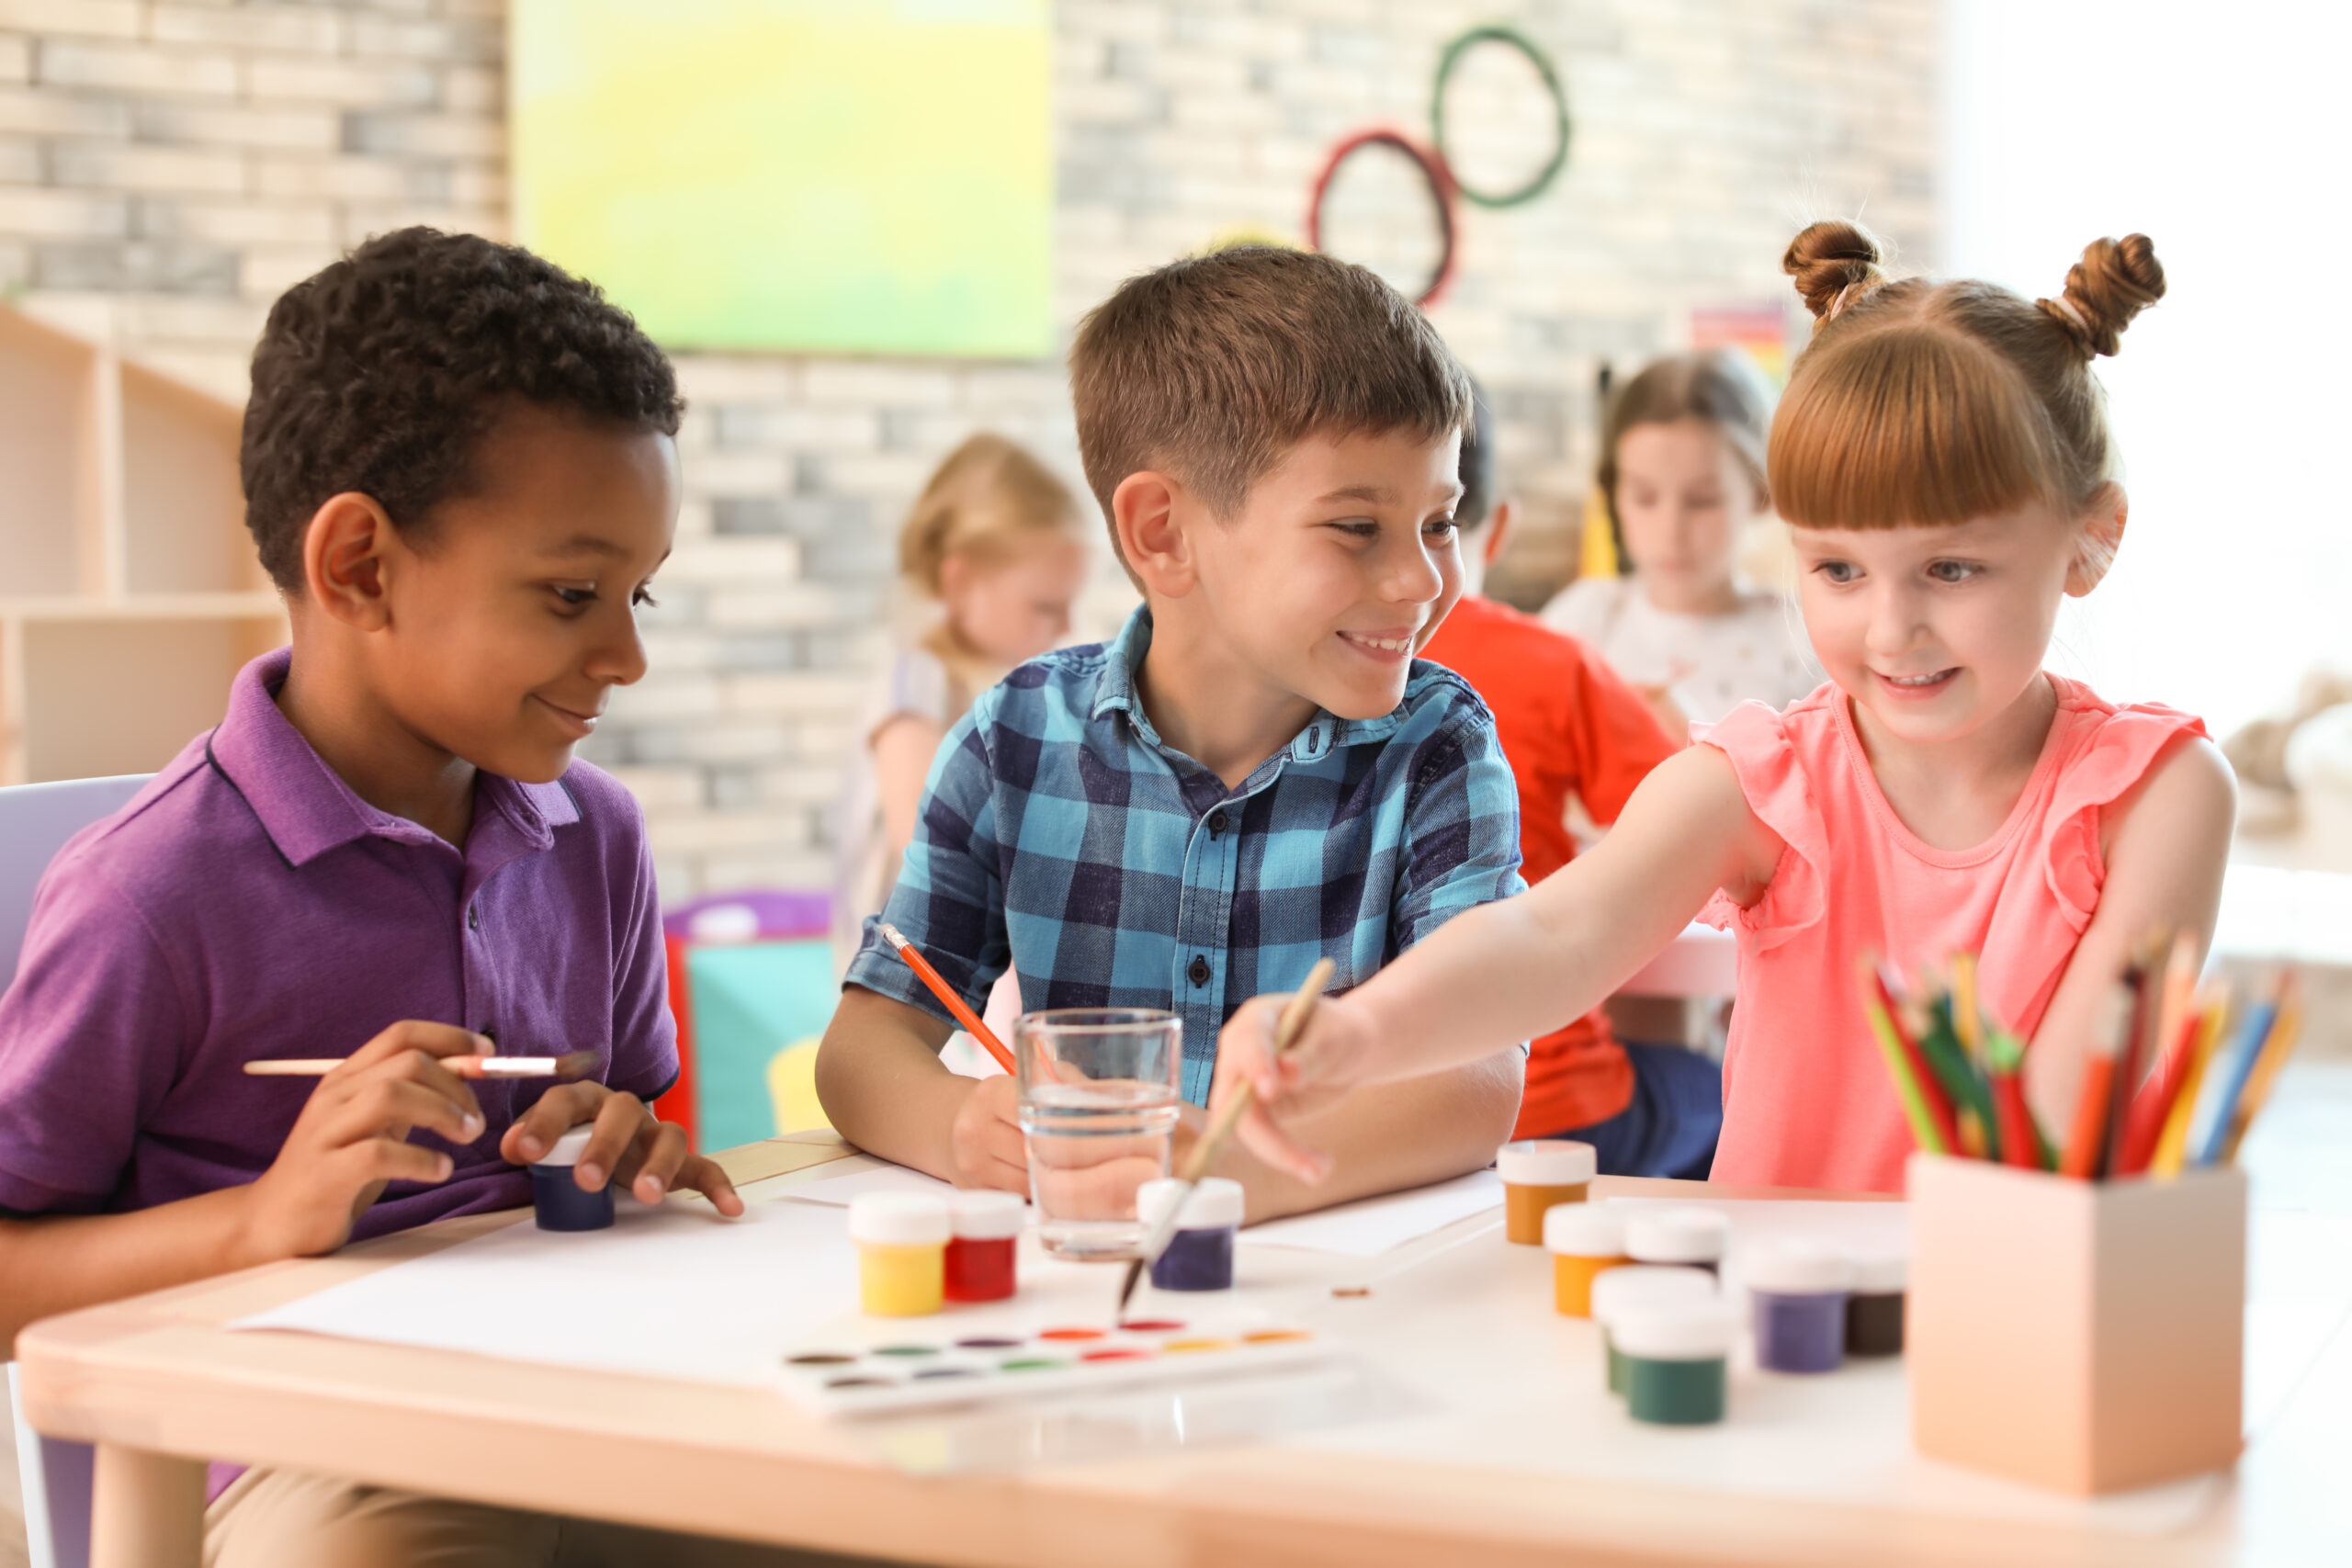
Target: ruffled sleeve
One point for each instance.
(2114, 751)
(1773, 776)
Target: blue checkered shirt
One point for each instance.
(1060, 837)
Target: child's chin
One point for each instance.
(530, 764)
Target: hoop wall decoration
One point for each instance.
(1511, 38)
(1441, 186)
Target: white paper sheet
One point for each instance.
(873, 1176)
(1370, 1227)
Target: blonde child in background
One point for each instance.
(1943, 456)
(1682, 476)
(999, 544)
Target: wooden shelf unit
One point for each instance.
(129, 590)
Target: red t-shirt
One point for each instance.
(1569, 727)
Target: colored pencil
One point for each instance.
(2147, 986)
(1939, 1044)
(2275, 1052)
(571, 1065)
(2021, 1142)
(2087, 1133)
(2155, 1101)
(1211, 1142)
(946, 995)
(2259, 1021)
(1931, 1126)
(1967, 1021)
(2172, 1143)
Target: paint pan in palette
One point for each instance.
(865, 1369)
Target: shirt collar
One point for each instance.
(305, 807)
(1114, 691)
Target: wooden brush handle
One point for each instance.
(1286, 1029)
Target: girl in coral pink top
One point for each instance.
(1942, 456)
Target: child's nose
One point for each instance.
(620, 658)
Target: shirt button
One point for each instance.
(1216, 823)
(1199, 971)
(473, 918)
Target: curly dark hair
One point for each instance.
(381, 373)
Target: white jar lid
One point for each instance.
(1647, 1284)
(1674, 1331)
(1677, 1235)
(1797, 1268)
(1216, 1203)
(1547, 1162)
(570, 1148)
(898, 1219)
(1585, 1229)
(1886, 1273)
(988, 1215)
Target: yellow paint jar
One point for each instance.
(901, 1252)
(1585, 1240)
(1538, 1174)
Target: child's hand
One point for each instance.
(352, 1137)
(984, 1147)
(1330, 1057)
(647, 1156)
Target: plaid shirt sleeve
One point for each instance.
(949, 901)
(1460, 826)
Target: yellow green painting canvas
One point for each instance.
(855, 176)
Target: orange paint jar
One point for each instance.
(1585, 1241)
(1538, 1174)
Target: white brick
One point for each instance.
(768, 609)
(660, 788)
(299, 177)
(317, 129)
(684, 833)
(803, 693)
(62, 214)
(665, 697)
(375, 38)
(738, 473)
(352, 84)
(732, 560)
(473, 89)
(876, 381)
(19, 161)
(135, 68)
(16, 58)
(267, 271)
(432, 135)
(116, 166)
(247, 26)
(734, 873)
(102, 18)
(709, 379)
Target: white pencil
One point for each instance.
(571, 1065)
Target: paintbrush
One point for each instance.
(1205, 1150)
(571, 1065)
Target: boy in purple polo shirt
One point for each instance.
(460, 471)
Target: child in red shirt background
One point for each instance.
(1572, 728)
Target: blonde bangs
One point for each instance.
(1908, 425)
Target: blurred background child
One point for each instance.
(1682, 476)
(997, 543)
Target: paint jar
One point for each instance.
(1634, 1287)
(1874, 1311)
(1584, 1239)
(987, 1230)
(1797, 1292)
(901, 1252)
(1538, 1174)
(1199, 1255)
(1690, 1238)
(1677, 1355)
(556, 1197)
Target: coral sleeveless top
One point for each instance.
(1806, 1098)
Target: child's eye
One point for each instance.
(573, 598)
(1438, 528)
(644, 597)
(1953, 571)
(1837, 571)
(1358, 527)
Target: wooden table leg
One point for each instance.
(146, 1510)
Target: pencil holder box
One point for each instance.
(2078, 1336)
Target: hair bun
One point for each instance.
(2115, 281)
(1828, 260)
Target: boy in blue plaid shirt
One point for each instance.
(1256, 772)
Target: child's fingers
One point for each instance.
(652, 1165)
(618, 1121)
(415, 1034)
(552, 1115)
(1262, 1136)
(389, 1159)
(703, 1176)
(383, 1107)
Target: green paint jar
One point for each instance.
(1676, 1358)
(1634, 1287)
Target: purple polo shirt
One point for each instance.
(247, 904)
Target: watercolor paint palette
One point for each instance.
(869, 1369)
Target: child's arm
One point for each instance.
(350, 1139)
(903, 749)
(1509, 970)
(2166, 844)
(884, 1088)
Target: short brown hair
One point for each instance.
(1214, 367)
(1923, 403)
(1716, 387)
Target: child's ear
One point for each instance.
(342, 561)
(2098, 537)
(1499, 526)
(1146, 510)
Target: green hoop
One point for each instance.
(1514, 39)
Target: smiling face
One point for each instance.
(1338, 567)
(1682, 498)
(514, 617)
(1937, 631)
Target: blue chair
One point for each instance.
(35, 822)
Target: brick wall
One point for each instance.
(167, 168)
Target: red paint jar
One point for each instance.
(980, 1253)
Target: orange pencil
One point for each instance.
(946, 994)
(2087, 1134)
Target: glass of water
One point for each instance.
(1099, 1106)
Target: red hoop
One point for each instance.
(1442, 195)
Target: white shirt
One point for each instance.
(1707, 664)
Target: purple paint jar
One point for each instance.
(1198, 1255)
(1798, 1289)
(556, 1197)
